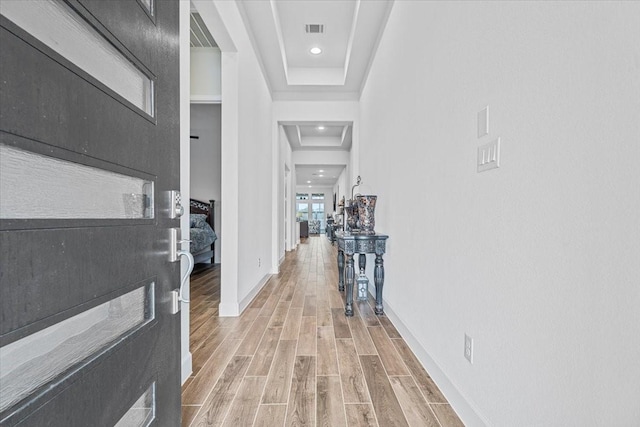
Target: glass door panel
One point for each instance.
(318, 214)
(302, 212)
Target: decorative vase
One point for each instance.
(352, 217)
(366, 213)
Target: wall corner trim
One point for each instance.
(228, 310)
(254, 292)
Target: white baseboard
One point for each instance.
(234, 310)
(251, 295)
(187, 367)
(467, 413)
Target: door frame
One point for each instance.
(186, 357)
(209, 13)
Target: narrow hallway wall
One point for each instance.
(537, 261)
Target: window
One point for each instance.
(318, 211)
(302, 212)
(311, 209)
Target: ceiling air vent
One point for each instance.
(314, 28)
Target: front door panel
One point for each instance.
(89, 151)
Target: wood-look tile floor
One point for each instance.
(294, 359)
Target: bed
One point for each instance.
(202, 231)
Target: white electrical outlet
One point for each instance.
(468, 348)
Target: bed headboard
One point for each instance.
(208, 209)
(199, 207)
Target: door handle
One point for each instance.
(175, 254)
(187, 273)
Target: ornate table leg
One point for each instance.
(340, 270)
(362, 263)
(378, 278)
(349, 275)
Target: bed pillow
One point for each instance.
(197, 220)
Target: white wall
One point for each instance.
(206, 160)
(247, 156)
(341, 189)
(254, 164)
(312, 157)
(205, 74)
(538, 261)
(255, 184)
(285, 173)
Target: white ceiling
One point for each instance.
(317, 175)
(352, 30)
(350, 37)
(318, 136)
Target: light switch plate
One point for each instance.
(483, 122)
(489, 155)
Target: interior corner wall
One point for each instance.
(255, 168)
(247, 154)
(537, 260)
(341, 187)
(284, 163)
(206, 160)
(255, 180)
(294, 224)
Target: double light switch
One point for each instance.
(489, 153)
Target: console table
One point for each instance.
(331, 231)
(362, 244)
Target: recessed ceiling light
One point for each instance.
(321, 128)
(320, 176)
(321, 170)
(309, 186)
(308, 182)
(315, 50)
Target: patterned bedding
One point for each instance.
(201, 233)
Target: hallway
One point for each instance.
(293, 358)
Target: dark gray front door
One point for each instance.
(89, 139)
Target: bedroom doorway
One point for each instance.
(205, 180)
